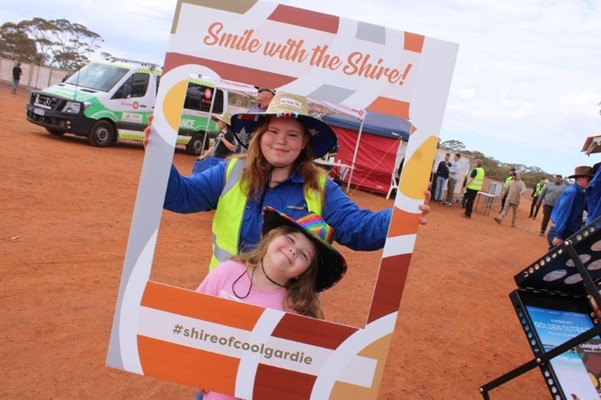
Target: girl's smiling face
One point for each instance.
(283, 141)
(288, 256)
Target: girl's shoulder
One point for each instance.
(225, 272)
(221, 277)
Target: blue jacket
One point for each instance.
(568, 211)
(354, 227)
(593, 196)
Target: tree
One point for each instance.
(59, 43)
(454, 145)
(16, 45)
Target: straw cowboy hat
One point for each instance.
(582, 171)
(225, 117)
(332, 266)
(322, 139)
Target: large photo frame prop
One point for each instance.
(243, 350)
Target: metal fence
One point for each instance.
(34, 76)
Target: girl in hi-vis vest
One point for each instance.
(276, 171)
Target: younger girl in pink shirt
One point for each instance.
(292, 263)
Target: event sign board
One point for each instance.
(240, 349)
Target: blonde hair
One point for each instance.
(301, 295)
(256, 175)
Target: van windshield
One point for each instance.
(102, 77)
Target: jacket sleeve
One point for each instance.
(593, 195)
(440, 168)
(354, 227)
(199, 192)
(541, 195)
(561, 212)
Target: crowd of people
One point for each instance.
(563, 204)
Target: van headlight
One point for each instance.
(72, 107)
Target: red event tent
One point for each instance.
(375, 144)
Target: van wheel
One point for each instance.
(194, 146)
(55, 132)
(102, 134)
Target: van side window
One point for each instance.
(139, 84)
(135, 86)
(200, 97)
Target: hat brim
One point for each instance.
(218, 118)
(322, 140)
(263, 88)
(577, 175)
(332, 265)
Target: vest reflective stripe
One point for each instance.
(229, 214)
(478, 180)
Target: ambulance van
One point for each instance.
(110, 100)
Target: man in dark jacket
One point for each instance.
(16, 77)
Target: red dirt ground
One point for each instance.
(66, 209)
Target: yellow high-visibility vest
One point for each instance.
(478, 180)
(229, 214)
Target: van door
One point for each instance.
(133, 101)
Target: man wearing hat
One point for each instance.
(549, 195)
(264, 97)
(568, 211)
(222, 147)
(593, 195)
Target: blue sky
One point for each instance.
(526, 87)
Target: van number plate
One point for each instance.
(38, 111)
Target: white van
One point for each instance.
(111, 100)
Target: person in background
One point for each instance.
(67, 76)
(593, 195)
(293, 262)
(264, 97)
(16, 77)
(549, 195)
(454, 171)
(463, 190)
(222, 147)
(442, 174)
(569, 209)
(535, 205)
(472, 186)
(515, 190)
(506, 184)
